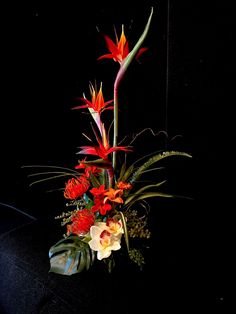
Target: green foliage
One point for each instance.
(137, 225)
(136, 175)
(137, 257)
(70, 255)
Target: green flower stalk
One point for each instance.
(124, 64)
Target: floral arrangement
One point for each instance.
(108, 209)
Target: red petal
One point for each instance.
(88, 150)
(111, 45)
(106, 56)
(140, 52)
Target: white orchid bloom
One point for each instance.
(103, 241)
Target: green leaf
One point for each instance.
(70, 256)
(127, 174)
(149, 194)
(141, 190)
(125, 229)
(99, 163)
(134, 51)
(95, 182)
(153, 160)
(122, 172)
(58, 171)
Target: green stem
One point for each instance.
(120, 75)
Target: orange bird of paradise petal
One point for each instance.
(97, 102)
(119, 50)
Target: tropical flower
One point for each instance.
(82, 220)
(76, 187)
(103, 240)
(97, 102)
(88, 170)
(124, 185)
(103, 149)
(119, 50)
(106, 197)
(114, 196)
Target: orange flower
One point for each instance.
(124, 185)
(113, 196)
(118, 51)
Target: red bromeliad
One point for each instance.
(102, 151)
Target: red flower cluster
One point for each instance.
(82, 220)
(76, 187)
(103, 198)
(88, 169)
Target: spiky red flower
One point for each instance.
(76, 187)
(82, 220)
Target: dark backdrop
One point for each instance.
(181, 87)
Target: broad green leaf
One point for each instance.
(70, 255)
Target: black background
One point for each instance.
(183, 86)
